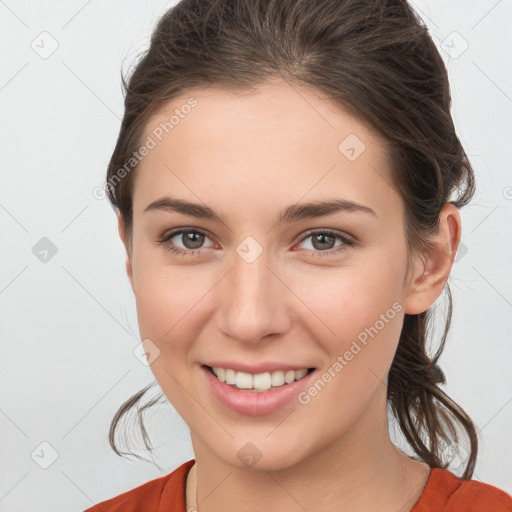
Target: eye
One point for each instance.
(322, 240)
(193, 239)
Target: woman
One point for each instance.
(287, 180)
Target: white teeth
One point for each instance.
(300, 373)
(289, 376)
(243, 380)
(277, 378)
(230, 376)
(260, 381)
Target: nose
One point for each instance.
(253, 302)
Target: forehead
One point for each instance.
(270, 146)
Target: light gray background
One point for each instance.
(68, 325)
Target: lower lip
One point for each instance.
(253, 403)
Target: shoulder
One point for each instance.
(446, 492)
(164, 493)
(478, 496)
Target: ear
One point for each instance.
(431, 273)
(122, 234)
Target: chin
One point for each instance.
(263, 456)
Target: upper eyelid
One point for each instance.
(171, 233)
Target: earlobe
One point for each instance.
(122, 234)
(431, 273)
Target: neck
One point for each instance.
(360, 471)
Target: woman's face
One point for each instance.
(267, 288)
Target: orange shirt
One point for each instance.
(444, 492)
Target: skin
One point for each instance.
(247, 156)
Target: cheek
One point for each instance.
(347, 301)
(167, 297)
(364, 314)
(169, 314)
(361, 312)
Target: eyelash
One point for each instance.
(164, 241)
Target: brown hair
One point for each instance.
(373, 58)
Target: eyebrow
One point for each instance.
(291, 213)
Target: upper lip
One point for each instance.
(256, 368)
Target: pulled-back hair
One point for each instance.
(376, 60)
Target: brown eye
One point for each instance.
(322, 242)
(192, 241)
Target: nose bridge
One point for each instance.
(253, 303)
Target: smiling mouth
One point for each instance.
(260, 382)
